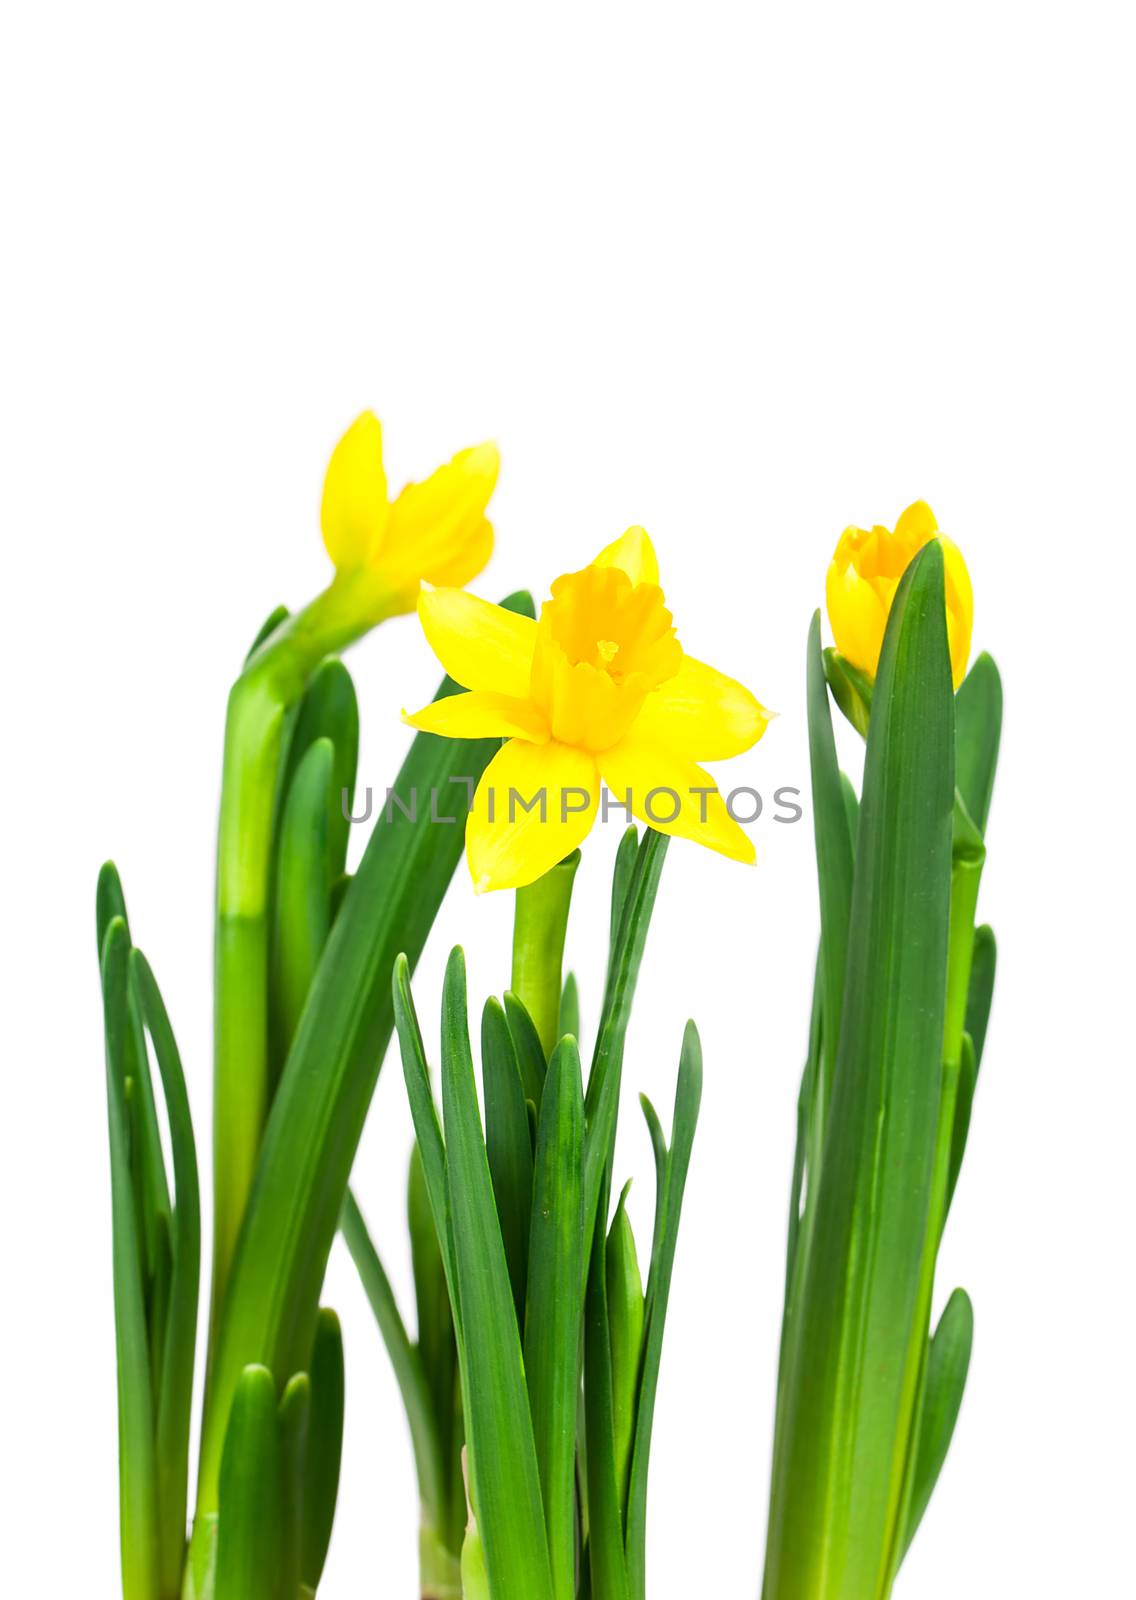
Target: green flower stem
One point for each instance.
(257, 721)
(539, 925)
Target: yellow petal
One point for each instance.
(634, 554)
(702, 714)
(916, 527)
(437, 529)
(481, 646)
(857, 615)
(354, 510)
(507, 845)
(480, 716)
(960, 608)
(661, 789)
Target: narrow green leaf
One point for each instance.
(853, 1360)
(302, 901)
(555, 1304)
(324, 1446)
(851, 689)
(834, 875)
(321, 1104)
(267, 628)
(983, 965)
(964, 1103)
(602, 1100)
(530, 1051)
(607, 1561)
(405, 1360)
(624, 871)
(427, 1128)
(137, 1466)
(437, 1350)
(948, 1362)
(175, 1375)
(330, 710)
(659, 1148)
(570, 1008)
(625, 1315)
(508, 1145)
(251, 1527)
(688, 1098)
(978, 732)
(293, 1423)
(506, 1478)
(147, 1161)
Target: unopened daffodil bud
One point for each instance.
(435, 531)
(864, 575)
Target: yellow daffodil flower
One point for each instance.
(598, 689)
(436, 530)
(864, 575)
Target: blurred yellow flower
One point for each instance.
(436, 530)
(599, 688)
(864, 575)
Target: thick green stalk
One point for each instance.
(539, 925)
(260, 702)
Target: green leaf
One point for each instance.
(978, 731)
(570, 1008)
(302, 901)
(964, 1102)
(606, 1558)
(437, 1350)
(602, 1100)
(147, 1162)
(293, 1422)
(659, 1149)
(251, 1527)
(506, 1481)
(427, 1128)
(834, 874)
(324, 1446)
(688, 1098)
(508, 1145)
(555, 1303)
(851, 689)
(854, 1355)
(405, 1360)
(175, 1374)
(625, 1315)
(530, 1051)
(329, 710)
(625, 859)
(267, 628)
(984, 963)
(310, 1141)
(137, 1466)
(948, 1362)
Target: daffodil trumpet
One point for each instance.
(867, 1395)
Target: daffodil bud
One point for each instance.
(864, 575)
(625, 1312)
(435, 531)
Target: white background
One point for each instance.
(744, 275)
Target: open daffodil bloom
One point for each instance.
(864, 574)
(598, 689)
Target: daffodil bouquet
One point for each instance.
(530, 1383)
